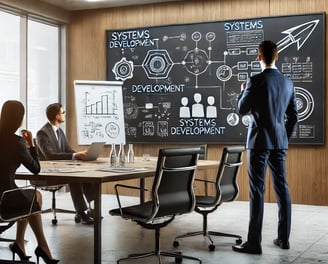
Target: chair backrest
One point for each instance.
(203, 152)
(172, 190)
(226, 181)
(43, 183)
(10, 211)
(38, 150)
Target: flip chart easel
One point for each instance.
(99, 112)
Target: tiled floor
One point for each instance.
(73, 243)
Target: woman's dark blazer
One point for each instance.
(13, 153)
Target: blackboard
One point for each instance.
(181, 82)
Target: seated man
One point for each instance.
(53, 145)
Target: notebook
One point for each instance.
(94, 151)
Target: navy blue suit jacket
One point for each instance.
(270, 98)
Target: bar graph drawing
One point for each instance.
(105, 106)
(99, 110)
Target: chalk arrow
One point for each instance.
(298, 35)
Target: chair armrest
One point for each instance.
(10, 211)
(16, 190)
(117, 186)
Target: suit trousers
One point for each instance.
(78, 191)
(258, 160)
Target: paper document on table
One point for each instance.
(61, 170)
(124, 169)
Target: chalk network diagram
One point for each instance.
(182, 82)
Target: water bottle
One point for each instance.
(130, 154)
(121, 156)
(112, 156)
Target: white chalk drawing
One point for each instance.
(304, 102)
(191, 75)
(184, 109)
(233, 119)
(197, 108)
(123, 69)
(211, 110)
(297, 35)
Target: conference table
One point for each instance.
(98, 172)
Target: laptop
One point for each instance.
(94, 151)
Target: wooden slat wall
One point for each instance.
(306, 165)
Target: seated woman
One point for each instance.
(13, 153)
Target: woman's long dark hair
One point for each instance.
(12, 114)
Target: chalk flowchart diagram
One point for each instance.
(165, 69)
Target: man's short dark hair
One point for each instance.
(53, 110)
(268, 50)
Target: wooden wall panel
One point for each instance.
(306, 165)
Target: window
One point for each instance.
(30, 65)
(9, 57)
(42, 71)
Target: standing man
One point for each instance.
(270, 98)
(53, 145)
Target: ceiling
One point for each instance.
(71, 5)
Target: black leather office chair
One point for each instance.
(203, 152)
(226, 190)
(6, 221)
(10, 213)
(53, 189)
(172, 194)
